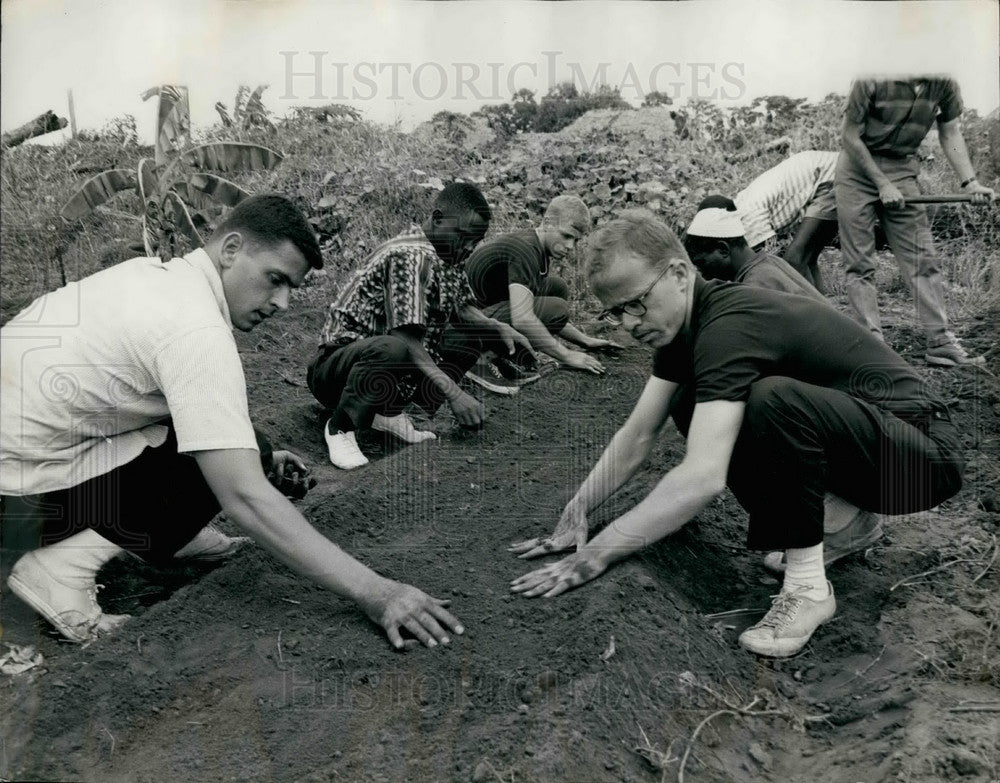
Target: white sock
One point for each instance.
(804, 569)
(75, 561)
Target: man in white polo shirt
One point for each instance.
(124, 425)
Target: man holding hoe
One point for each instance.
(124, 425)
(792, 399)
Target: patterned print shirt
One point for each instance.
(897, 113)
(402, 283)
(775, 200)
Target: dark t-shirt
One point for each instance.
(512, 258)
(741, 334)
(775, 274)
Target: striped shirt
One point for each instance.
(897, 113)
(402, 283)
(92, 371)
(775, 200)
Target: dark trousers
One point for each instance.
(376, 375)
(151, 506)
(551, 306)
(799, 441)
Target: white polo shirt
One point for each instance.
(89, 373)
(776, 198)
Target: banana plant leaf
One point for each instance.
(95, 191)
(230, 157)
(200, 190)
(173, 122)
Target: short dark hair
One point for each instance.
(460, 197)
(637, 231)
(699, 246)
(272, 219)
(716, 201)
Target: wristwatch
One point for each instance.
(969, 181)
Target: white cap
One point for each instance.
(716, 224)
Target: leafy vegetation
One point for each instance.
(177, 190)
(360, 183)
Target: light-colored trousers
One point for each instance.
(909, 235)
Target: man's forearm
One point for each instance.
(538, 335)
(619, 462)
(955, 150)
(682, 493)
(427, 367)
(573, 334)
(267, 516)
(862, 157)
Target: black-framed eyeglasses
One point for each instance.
(634, 307)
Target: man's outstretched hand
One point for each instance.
(513, 339)
(604, 346)
(556, 578)
(395, 606)
(571, 531)
(290, 475)
(579, 360)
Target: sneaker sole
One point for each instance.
(508, 391)
(32, 599)
(236, 544)
(402, 439)
(940, 361)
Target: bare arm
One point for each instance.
(682, 493)
(629, 447)
(468, 410)
(236, 479)
(510, 336)
(522, 316)
(955, 150)
(860, 155)
(627, 450)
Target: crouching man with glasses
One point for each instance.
(792, 400)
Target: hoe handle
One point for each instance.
(944, 198)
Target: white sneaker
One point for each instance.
(343, 448)
(789, 623)
(401, 427)
(210, 545)
(73, 611)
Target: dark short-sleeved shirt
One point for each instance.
(739, 335)
(896, 114)
(516, 258)
(402, 283)
(775, 274)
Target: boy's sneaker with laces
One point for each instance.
(789, 624)
(513, 371)
(485, 373)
